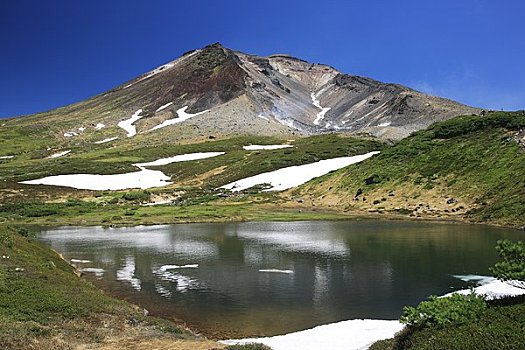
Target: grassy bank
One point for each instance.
(471, 167)
(44, 305)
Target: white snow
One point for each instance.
(127, 124)
(490, 287)
(180, 158)
(164, 106)
(285, 178)
(81, 129)
(6, 157)
(276, 271)
(164, 268)
(264, 147)
(144, 178)
(263, 117)
(384, 124)
(347, 335)
(70, 134)
(317, 103)
(182, 116)
(60, 154)
(109, 139)
(99, 126)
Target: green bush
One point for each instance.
(140, 196)
(441, 312)
(512, 266)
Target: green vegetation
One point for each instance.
(473, 165)
(512, 266)
(44, 305)
(500, 326)
(442, 312)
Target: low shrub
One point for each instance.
(441, 312)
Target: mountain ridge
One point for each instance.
(267, 95)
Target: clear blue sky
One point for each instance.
(53, 52)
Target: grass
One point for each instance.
(44, 305)
(499, 327)
(474, 160)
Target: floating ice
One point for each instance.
(98, 272)
(164, 268)
(276, 271)
(80, 261)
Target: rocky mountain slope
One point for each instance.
(217, 92)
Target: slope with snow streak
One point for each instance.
(127, 124)
(182, 116)
(324, 110)
(180, 158)
(285, 178)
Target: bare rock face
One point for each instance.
(275, 95)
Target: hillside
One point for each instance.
(217, 92)
(468, 167)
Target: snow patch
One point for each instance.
(164, 106)
(317, 103)
(82, 129)
(182, 116)
(127, 124)
(70, 134)
(143, 179)
(180, 158)
(285, 178)
(99, 126)
(490, 287)
(348, 335)
(164, 268)
(109, 139)
(384, 124)
(6, 157)
(263, 117)
(60, 154)
(264, 147)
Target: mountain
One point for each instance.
(215, 91)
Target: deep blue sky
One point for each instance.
(53, 52)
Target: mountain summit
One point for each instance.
(215, 90)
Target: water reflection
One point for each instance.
(267, 278)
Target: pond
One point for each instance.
(267, 278)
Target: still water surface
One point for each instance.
(247, 279)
